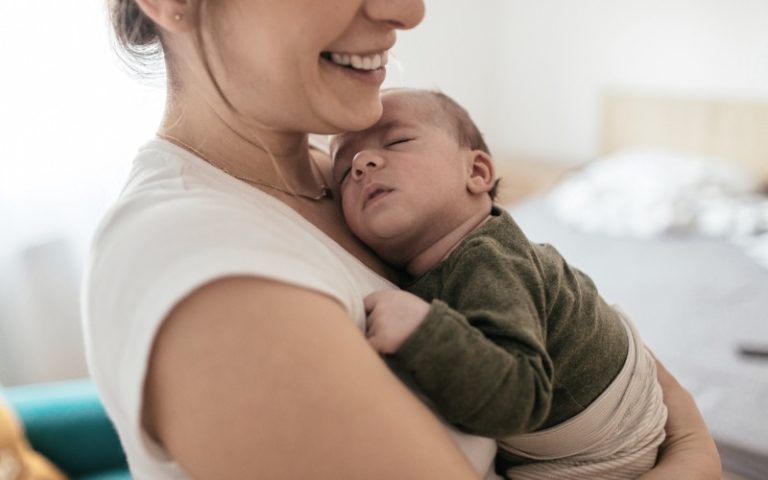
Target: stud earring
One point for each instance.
(177, 17)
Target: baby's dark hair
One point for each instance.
(461, 126)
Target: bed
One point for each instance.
(700, 301)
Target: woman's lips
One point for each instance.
(371, 77)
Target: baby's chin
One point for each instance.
(388, 249)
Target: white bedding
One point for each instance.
(646, 193)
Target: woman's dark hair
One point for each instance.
(140, 46)
(137, 38)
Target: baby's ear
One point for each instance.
(482, 174)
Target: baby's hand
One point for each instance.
(392, 316)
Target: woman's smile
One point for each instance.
(364, 68)
(358, 61)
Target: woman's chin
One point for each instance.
(347, 119)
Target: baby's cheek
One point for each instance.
(354, 219)
(347, 206)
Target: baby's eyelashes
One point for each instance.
(396, 142)
(344, 175)
(340, 170)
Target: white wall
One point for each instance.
(71, 119)
(537, 68)
(70, 122)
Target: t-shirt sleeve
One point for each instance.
(152, 254)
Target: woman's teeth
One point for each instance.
(358, 62)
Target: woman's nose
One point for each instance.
(365, 162)
(401, 14)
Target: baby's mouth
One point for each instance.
(356, 61)
(374, 194)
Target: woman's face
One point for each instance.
(281, 62)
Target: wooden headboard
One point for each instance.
(733, 130)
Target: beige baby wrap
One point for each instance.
(616, 437)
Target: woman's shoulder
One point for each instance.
(179, 223)
(171, 195)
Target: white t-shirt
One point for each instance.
(179, 224)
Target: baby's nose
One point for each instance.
(363, 162)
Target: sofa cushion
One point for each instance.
(17, 459)
(66, 422)
(119, 474)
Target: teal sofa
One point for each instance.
(66, 422)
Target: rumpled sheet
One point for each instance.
(648, 193)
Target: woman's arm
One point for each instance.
(250, 378)
(689, 451)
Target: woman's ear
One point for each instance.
(170, 15)
(482, 174)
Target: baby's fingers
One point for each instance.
(375, 335)
(376, 341)
(371, 300)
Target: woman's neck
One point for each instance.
(243, 150)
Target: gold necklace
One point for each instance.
(325, 190)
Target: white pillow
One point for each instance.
(645, 192)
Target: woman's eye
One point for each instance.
(398, 141)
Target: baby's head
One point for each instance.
(421, 171)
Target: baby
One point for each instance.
(514, 344)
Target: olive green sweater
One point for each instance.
(515, 340)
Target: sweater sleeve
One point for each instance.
(480, 356)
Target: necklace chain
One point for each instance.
(325, 190)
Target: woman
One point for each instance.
(222, 284)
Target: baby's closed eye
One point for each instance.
(343, 175)
(397, 142)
